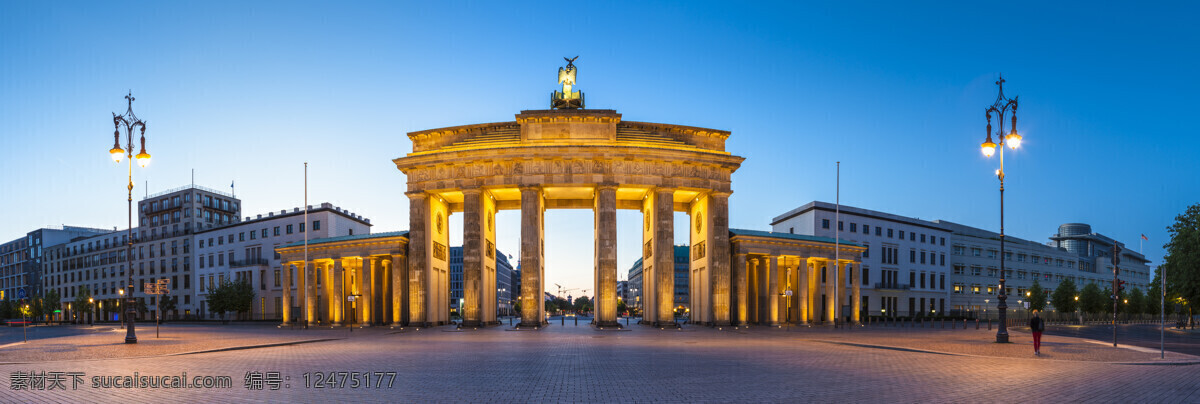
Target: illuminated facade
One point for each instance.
(563, 158)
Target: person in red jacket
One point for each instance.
(1037, 326)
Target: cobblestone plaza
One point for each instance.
(566, 363)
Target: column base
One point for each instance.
(471, 323)
(607, 324)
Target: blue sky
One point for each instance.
(894, 90)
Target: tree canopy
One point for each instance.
(1063, 297)
(1092, 299)
(1037, 297)
(1182, 261)
(236, 296)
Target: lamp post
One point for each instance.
(92, 311)
(1001, 108)
(130, 122)
(121, 293)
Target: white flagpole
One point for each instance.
(1162, 315)
(304, 268)
(837, 217)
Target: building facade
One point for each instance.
(1074, 253)
(246, 251)
(22, 260)
(165, 243)
(504, 286)
(905, 267)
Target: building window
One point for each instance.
(902, 234)
(866, 229)
(289, 229)
(922, 257)
(877, 231)
(824, 224)
(854, 227)
(253, 235)
(912, 256)
(316, 225)
(889, 233)
(264, 233)
(942, 258)
(959, 269)
(922, 238)
(958, 288)
(839, 226)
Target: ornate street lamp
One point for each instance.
(130, 122)
(1001, 108)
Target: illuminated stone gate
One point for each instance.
(565, 158)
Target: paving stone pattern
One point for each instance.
(578, 364)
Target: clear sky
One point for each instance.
(248, 91)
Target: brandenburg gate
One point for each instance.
(568, 157)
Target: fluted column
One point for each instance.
(855, 280)
(400, 292)
(742, 292)
(418, 258)
(664, 253)
(842, 296)
(337, 297)
(755, 290)
(772, 298)
(606, 255)
(719, 261)
(802, 290)
(364, 288)
(830, 285)
(472, 257)
(384, 293)
(287, 293)
(532, 308)
(307, 283)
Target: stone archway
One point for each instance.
(564, 159)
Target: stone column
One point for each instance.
(364, 302)
(400, 291)
(606, 255)
(376, 288)
(742, 290)
(337, 296)
(532, 308)
(855, 280)
(841, 290)
(755, 291)
(802, 291)
(287, 293)
(418, 258)
(719, 260)
(307, 283)
(472, 257)
(772, 298)
(664, 253)
(830, 284)
(384, 293)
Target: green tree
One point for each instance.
(7, 309)
(81, 305)
(517, 308)
(1037, 297)
(166, 304)
(1182, 261)
(1063, 297)
(1154, 296)
(1091, 299)
(36, 308)
(621, 307)
(237, 296)
(51, 302)
(1137, 302)
(582, 304)
(550, 306)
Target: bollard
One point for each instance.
(943, 323)
(563, 321)
(576, 321)
(989, 321)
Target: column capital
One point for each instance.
(416, 194)
(471, 191)
(725, 194)
(529, 187)
(606, 185)
(663, 190)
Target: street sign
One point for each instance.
(349, 298)
(21, 294)
(788, 293)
